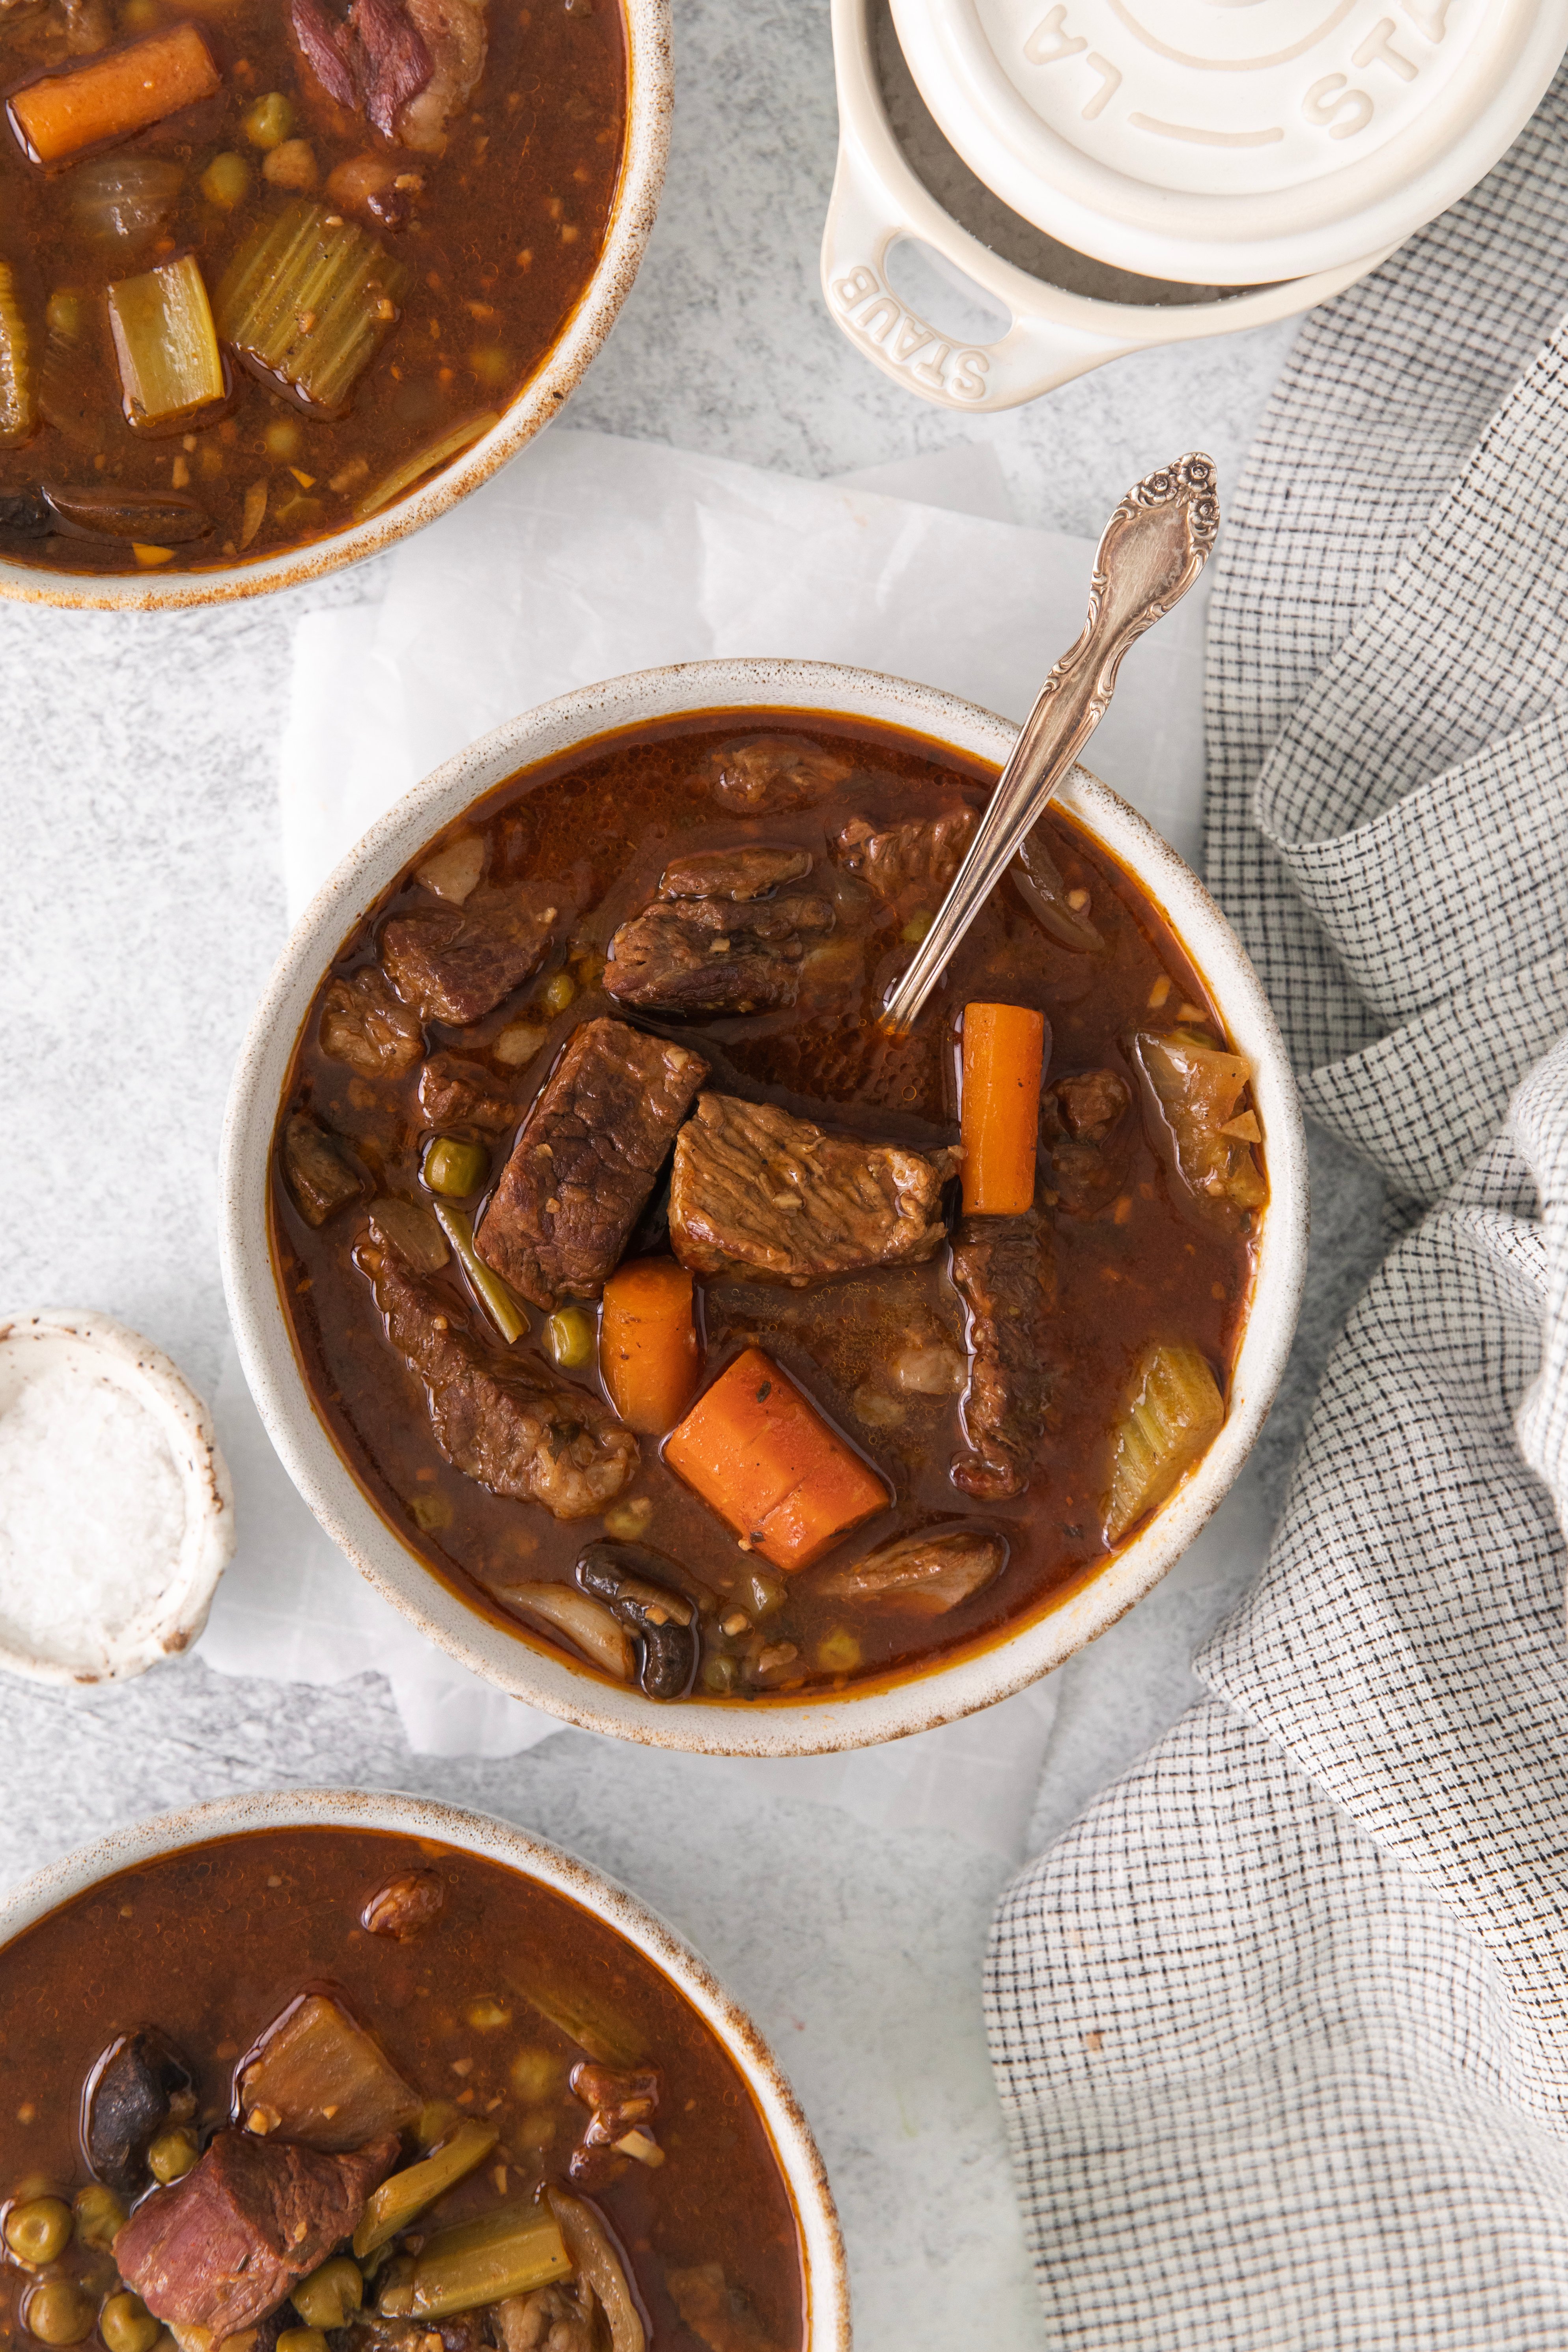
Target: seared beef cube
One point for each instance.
(223, 2247)
(319, 1178)
(139, 2085)
(507, 1422)
(768, 1198)
(773, 773)
(1006, 1273)
(711, 955)
(923, 854)
(365, 1025)
(750, 871)
(1090, 1137)
(455, 1093)
(581, 1169)
(455, 963)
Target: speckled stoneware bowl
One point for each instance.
(826, 2279)
(878, 1708)
(96, 1347)
(649, 99)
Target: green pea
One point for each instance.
(126, 2324)
(569, 1335)
(100, 2215)
(329, 2296)
(915, 929)
(58, 2313)
(303, 2339)
(269, 121)
(38, 2232)
(456, 1169)
(558, 992)
(172, 2154)
(227, 180)
(719, 1672)
(838, 1651)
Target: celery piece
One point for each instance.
(439, 452)
(170, 364)
(317, 2076)
(18, 393)
(394, 2205)
(510, 2251)
(499, 1304)
(1172, 1413)
(307, 302)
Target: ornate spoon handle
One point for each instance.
(1155, 544)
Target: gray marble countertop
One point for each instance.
(145, 907)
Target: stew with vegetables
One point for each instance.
(673, 1312)
(342, 2091)
(266, 264)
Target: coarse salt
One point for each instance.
(92, 1517)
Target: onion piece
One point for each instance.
(589, 2243)
(439, 452)
(1040, 885)
(585, 1622)
(123, 199)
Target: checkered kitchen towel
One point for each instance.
(1282, 2025)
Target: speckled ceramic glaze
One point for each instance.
(876, 1709)
(827, 2284)
(96, 1347)
(649, 98)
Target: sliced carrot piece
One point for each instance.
(1004, 1058)
(759, 1454)
(114, 94)
(648, 1344)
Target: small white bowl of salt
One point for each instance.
(116, 1512)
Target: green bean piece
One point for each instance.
(126, 2324)
(39, 2230)
(455, 1168)
(172, 2154)
(100, 2215)
(499, 1304)
(570, 1337)
(58, 2313)
(269, 121)
(394, 2205)
(329, 2296)
(507, 2253)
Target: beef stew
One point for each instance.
(267, 264)
(805, 1356)
(335, 2090)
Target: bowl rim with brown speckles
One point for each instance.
(825, 2274)
(649, 101)
(862, 1714)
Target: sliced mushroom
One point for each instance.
(405, 1906)
(1042, 889)
(662, 1620)
(140, 2084)
(593, 2255)
(161, 517)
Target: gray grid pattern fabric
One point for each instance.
(1279, 2025)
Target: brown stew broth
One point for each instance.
(615, 814)
(529, 169)
(211, 1944)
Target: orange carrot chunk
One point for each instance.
(114, 94)
(1003, 1058)
(759, 1454)
(648, 1344)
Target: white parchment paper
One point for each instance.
(588, 557)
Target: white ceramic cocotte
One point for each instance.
(1116, 174)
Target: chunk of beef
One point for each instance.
(455, 963)
(455, 1093)
(581, 1169)
(223, 2247)
(922, 855)
(928, 1573)
(715, 954)
(621, 2102)
(1090, 1137)
(750, 871)
(770, 1197)
(365, 1025)
(717, 2314)
(139, 2085)
(510, 1423)
(771, 773)
(319, 1177)
(1006, 1273)
(453, 33)
(550, 2319)
(373, 61)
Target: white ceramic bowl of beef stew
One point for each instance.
(860, 1714)
(428, 1825)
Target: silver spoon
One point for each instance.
(1154, 546)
